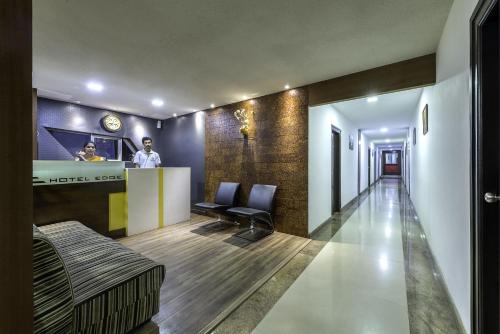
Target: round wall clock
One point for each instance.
(112, 123)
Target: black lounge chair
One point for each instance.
(259, 207)
(225, 198)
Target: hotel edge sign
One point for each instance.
(47, 172)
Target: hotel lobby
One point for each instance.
(249, 167)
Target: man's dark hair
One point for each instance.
(146, 138)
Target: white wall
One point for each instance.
(379, 165)
(319, 170)
(363, 180)
(440, 160)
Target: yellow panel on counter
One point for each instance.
(118, 211)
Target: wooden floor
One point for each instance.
(208, 271)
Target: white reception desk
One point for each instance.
(157, 197)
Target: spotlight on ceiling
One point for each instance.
(175, 115)
(287, 86)
(387, 140)
(95, 86)
(372, 99)
(245, 97)
(157, 102)
(384, 129)
(212, 105)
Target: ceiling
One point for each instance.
(391, 112)
(195, 53)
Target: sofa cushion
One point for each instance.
(115, 288)
(52, 294)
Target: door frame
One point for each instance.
(478, 245)
(336, 131)
(369, 166)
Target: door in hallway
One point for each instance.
(485, 168)
(391, 162)
(335, 169)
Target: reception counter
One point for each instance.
(157, 197)
(108, 198)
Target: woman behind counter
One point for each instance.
(88, 153)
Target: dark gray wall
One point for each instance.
(184, 146)
(75, 117)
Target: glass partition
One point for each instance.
(50, 172)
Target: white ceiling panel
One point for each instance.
(193, 53)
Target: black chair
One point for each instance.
(225, 198)
(259, 207)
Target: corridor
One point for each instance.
(375, 275)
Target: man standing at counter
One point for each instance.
(147, 158)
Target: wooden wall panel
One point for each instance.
(412, 73)
(34, 126)
(274, 153)
(87, 203)
(16, 214)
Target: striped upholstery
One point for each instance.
(52, 297)
(115, 289)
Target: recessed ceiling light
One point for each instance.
(157, 102)
(384, 129)
(78, 102)
(372, 99)
(212, 105)
(287, 86)
(387, 141)
(245, 97)
(95, 86)
(175, 115)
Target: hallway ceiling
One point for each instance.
(392, 111)
(194, 53)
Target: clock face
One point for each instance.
(112, 123)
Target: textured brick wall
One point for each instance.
(274, 153)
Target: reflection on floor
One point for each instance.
(376, 275)
(356, 284)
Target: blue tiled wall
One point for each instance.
(180, 142)
(74, 117)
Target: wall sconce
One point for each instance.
(243, 116)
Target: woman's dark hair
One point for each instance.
(89, 142)
(146, 138)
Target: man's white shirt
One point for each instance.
(145, 159)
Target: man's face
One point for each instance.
(147, 145)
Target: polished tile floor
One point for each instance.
(363, 280)
(369, 269)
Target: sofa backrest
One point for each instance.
(52, 294)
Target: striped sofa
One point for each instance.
(87, 283)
